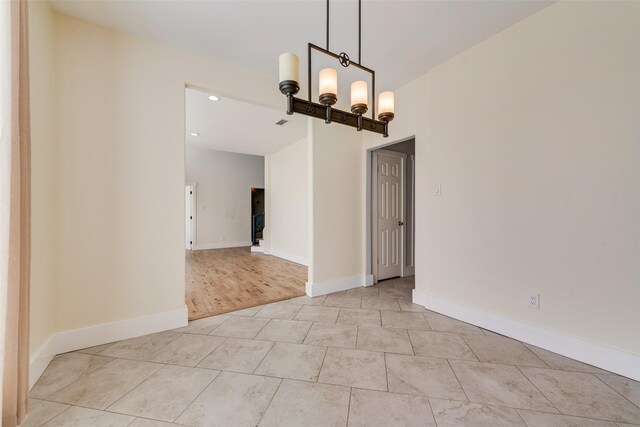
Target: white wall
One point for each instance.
(337, 206)
(287, 194)
(43, 220)
(223, 196)
(534, 136)
(120, 175)
(532, 133)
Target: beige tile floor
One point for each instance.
(364, 357)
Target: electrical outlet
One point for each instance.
(533, 301)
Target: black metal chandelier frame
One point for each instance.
(326, 112)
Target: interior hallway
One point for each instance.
(363, 357)
(223, 280)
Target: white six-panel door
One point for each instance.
(390, 207)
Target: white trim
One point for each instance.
(374, 208)
(368, 220)
(368, 208)
(40, 360)
(410, 229)
(289, 257)
(375, 264)
(222, 245)
(76, 339)
(601, 356)
(258, 249)
(310, 194)
(368, 280)
(337, 285)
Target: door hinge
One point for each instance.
(190, 242)
(190, 192)
(190, 217)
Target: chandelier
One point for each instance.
(328, 89)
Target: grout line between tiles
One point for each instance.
(469, 347)
(458, 379)
(306, 333)
(63, 411)
(349, 405)
(433, 415)
(326, 350)
(93, 409)
(571, 416)
(71, 383)
(491, 405)
(133, 388)
(520, 416)
(386, 370)
(540, 391)
(411, 342)
(273, 344)
(426, 319)
(270, 401)
(196, 398)
(614, 390)
(225, 339)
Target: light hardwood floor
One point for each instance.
(223, 280)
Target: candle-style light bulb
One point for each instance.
(289, 77)
(328, 83)
(359, 97)
(386, 106)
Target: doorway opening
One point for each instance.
(227, 202)
(257, 215)
(391, 210)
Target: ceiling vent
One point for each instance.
(281, 122)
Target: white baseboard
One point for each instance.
(40, 360)
(76, 339)
(337, 285)
(258, 249)
(368, 280)
(601, 356)
(222, 245)
(289, 257)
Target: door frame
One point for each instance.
(374, 208)
(371, 179)
(410, 224)
(264, 209)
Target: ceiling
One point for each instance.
(221, 125)
(401, 40)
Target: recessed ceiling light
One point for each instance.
(214, 98)
(194, 134)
